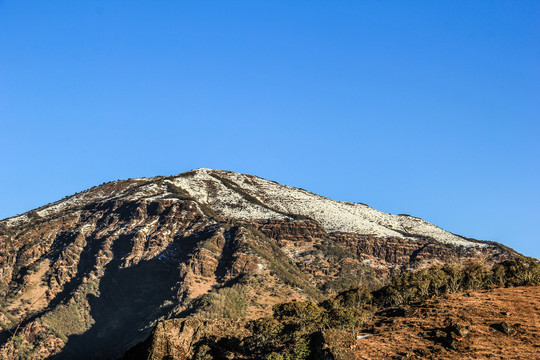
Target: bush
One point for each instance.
(226, 303)
(517, 272)
(474, 275)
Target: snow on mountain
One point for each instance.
(332, 215)
(240, 196)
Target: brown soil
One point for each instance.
(416, 332)
(32, 297)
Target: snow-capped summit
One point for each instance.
(240, 196)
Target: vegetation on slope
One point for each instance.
(304, 330)
(280, 263)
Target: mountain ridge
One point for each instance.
(392, 224)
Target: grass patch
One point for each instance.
(230, 302)
(66, 320)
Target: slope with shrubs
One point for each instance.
(328, 330)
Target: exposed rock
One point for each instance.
(459, 329)
(505, 328)
(179, 338)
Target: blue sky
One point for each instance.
(428, 108)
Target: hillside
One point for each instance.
(95, 272)
(456, 311)
(502, 323)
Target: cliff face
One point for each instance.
(92, 274)
(178, 338)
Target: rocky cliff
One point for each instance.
(91, 275)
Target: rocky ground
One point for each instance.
(502, 323)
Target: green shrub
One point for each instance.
(473, 275)
(476, 275)
(517, 272)
(66, 320)
(230, 302)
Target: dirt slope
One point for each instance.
(425, 331)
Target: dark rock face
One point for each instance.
(178, 338)
(505, 328)
(386, 256)
(94, 279)
(391, 256)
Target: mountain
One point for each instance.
(91, 275)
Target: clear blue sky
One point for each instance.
(430, 108)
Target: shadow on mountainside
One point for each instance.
(130, 300)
